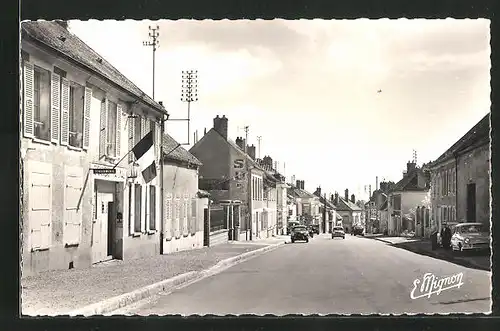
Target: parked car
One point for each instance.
(470, 236)
(338, 231)
(358, 231)
(291, 224)
(299, 232)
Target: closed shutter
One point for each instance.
(86, 117)
(55, 101)
(168, 226)
(152, 208)
(29, 82)
(185, 215)
(118, 129)
(130, 123)
(144, 204)
(72, 217)
(103, 120)
(64, 112)
(143, 127)
(177, 224)
(194, 216)
(40, 201)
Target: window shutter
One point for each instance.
(64, 112)
(118, 129)
(147, 201)
(143, 126)
(55, 101)
(185, 217)
(102, 129)
(168, 216)
(130, 123)
(29, 82)
(86, 117)
(194, 214)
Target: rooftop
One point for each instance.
(59, 40)
(172, 150)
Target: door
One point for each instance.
(100, 228)
(471, 202)
(206, 228)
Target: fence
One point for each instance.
(217, 219)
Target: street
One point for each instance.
(325, 276)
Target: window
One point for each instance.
(152, 208)
(41, 103)
(137, 129)
(137, 209)
(111, 129)
(76, 103)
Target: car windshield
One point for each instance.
(475, 228)
(299, 228)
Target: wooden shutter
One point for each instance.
(131, 127)
(185, 216)
(177, 217)
(64, 112)
(167, 228)
(55, 101)
(29, 82)
(118, 129)
(40, 202)
(143, 126)
(152, 208)
(72, 217)
(194, 216)
(102, 129)
(86, 117)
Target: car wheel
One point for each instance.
(307, 240)
(293, 240)
(343, 237)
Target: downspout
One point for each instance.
(455, 155)
(162, 211)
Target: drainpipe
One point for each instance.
(162, 211)
(456, 185)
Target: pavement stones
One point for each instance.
(102, 289)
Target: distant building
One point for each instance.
(330, 212)
(348, 210)
(307, 203)
(405, 197)
(460, 179)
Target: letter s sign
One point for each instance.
(238, 163)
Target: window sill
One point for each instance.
(39, 249)
(185, 235)
(77, 149)
(41, 141)
(70, 245)
(151, 232)
(136, 234)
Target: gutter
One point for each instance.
(93, 71)
(162, 192)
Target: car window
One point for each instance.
(473, 229)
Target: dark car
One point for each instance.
(315, 228)
(299, 233)
(338, 231)
(358, 231)
(291, 225)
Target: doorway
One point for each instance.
(471, 202)
(206, 228)
(111, 229)
(104, 222)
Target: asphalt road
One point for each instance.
(325, 276)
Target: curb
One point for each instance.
(170, 284)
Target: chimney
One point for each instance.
(353, 198)
(376, 183)
(303, 184)
(346, 194)
(410, 166)
(205, 131)
(241, 143)
(318, 191)
(160, 103)
(251, 151)
(220, 125)
(332, 198)
(298, 183)
(336, 198)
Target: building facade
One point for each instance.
(460, 179)
(404, 198)
(347, 209)
(76, 114)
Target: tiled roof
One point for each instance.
(237, 148)
(173, 151)
(404, 183)
(347, 205)
(329, 204)
(479, 132)
(55, 37)
(300, 193)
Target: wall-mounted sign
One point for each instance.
(238, 163)
(104, 171)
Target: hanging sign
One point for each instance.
(103, 171)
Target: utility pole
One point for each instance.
(153, 34)
(249, 188)
(259, 138)
(189, 92)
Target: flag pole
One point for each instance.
(122, 159)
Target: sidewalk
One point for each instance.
(61, 291)
(423, 246)
(264, 241)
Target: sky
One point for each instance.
(309, 88)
